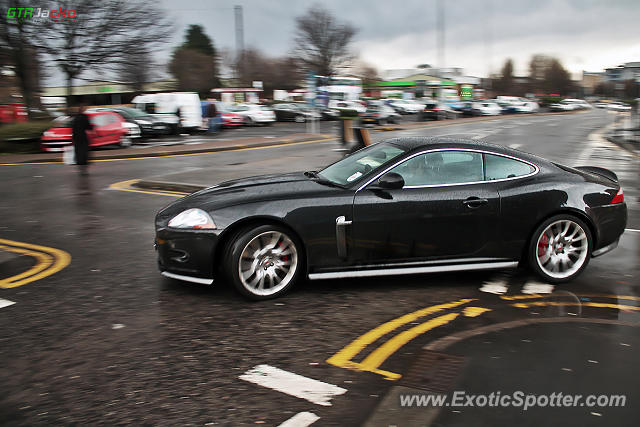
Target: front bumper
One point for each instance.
(189, 254)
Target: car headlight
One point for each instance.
(195, 219)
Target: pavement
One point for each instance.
(92, 334)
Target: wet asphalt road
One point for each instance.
(107, 340)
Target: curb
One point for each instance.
(168, 186)
(58, 157)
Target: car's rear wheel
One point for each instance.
(299, 118)
(248, 121)
(560, 248)
(264, 262)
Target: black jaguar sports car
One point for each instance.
(401, 206)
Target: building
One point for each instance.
(109, 92)
(590, 80)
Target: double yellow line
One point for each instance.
(48, 262)
(579, 303)
(371, 363)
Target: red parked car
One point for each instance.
(108, 129)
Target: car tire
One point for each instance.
(299, 119)
(264, 262)
(382, 122)
(248, 121)
(560, 248)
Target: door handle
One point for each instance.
(475, 202)
(341, 236)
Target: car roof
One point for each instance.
(422, 143)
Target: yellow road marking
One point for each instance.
(382, 353)
(474, 311)
(576, 304)
(126, 186)
(239, 148)
(343, 358)
(49, 261)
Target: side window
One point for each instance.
(97, 120)
(498, 167)
(441, 167)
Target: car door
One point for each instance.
(444, 211)
(97, 134)
(112, 129)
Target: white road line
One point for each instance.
(632, 229)
(532, 287)
(5, 303)
(314, 391)
(302, 419)
(497, 287)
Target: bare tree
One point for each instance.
(505, 83)
(99, 35)
(137, 69)
(274, 73)
(366, 72)
(321, 42)
(18, 51)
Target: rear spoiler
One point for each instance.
(599, 171)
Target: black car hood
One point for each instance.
(248, 190)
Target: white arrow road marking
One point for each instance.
(532, 287)
(292, 384)
(302, 419)
(5, 303)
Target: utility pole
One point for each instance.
(239, 39)
(441, 42)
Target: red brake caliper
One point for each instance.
(542, 246)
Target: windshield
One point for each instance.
(361, 163)
(131, 112)
(62, 122)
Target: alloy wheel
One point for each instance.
(268, 263)
(562, 249)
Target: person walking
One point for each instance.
(80, 125)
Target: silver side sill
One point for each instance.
(605, 249)
(413, 270)
(187, 278)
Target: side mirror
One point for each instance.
(390, 181)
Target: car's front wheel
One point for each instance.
(264, 262)
(560, 248)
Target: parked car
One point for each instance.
(379, 113)
(184, 106)
(522, 107)
(570, 104)
(435, 110)
(294, 113)
(254, 114)
(108, 129)
(564, 105)
(401, 206)
(347, 105)
(486, 108)
(618, 106)
(148, 124)
(229, 118)
(405, 106)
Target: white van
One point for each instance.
(184, 104)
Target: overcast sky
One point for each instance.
(480, 34)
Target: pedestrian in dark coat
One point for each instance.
(80, 126)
